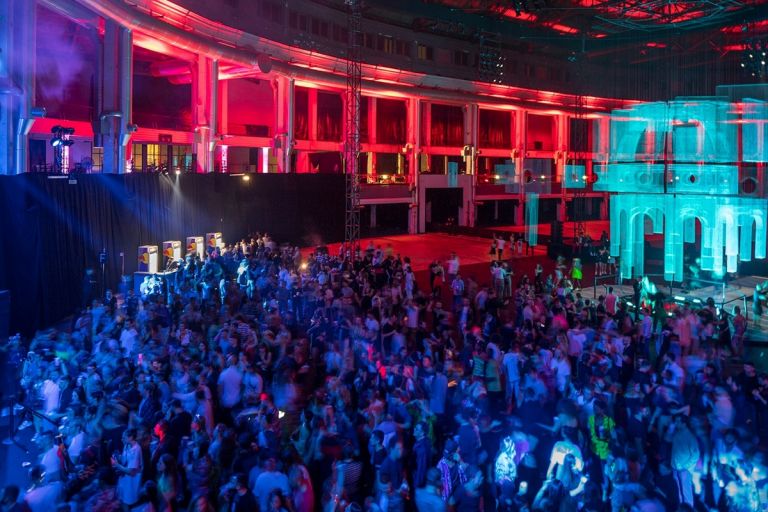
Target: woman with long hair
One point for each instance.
(167, 483)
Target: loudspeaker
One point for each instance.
(5, 314)
(748, 182)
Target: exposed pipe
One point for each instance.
(72, 11)
(454, 90)
(170, 68)
(138, 21)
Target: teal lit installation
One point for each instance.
(532, 219)
(673, 164)
(575, 176)
(506, 174)
(698, 178)
(754, 131)
(453, 174)
(536, 176)
(630, 177)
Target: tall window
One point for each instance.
(97, 156)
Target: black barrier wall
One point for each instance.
(51, 230)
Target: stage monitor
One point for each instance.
(148, 259)
(172, 250)
(196, 245)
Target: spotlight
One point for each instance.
(246, 177)
(743, 65)
(56, 142)
(177, 171)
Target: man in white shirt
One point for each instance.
(500, 247)
(50, 462)
(43, 497)
(676, 373)
(562, 369)
(129, 338)
(230, 384)
(269, 480)
(453, 266)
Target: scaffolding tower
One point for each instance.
(352, 125)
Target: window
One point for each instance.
(340, 34)
(529, 69)
(369, 41)
(97, 157)
(424, 52)
(181, 157)
(402, 48)
(386, 44)
(271, 11)
(461, 58)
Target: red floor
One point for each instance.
(472, 252)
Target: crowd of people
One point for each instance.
(262, 379)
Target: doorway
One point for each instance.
(442, 207)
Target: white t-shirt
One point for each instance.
(128, 486)
(76, 446)
(500, 244)
(51, 462)
(128, 340)
(453, 265)
(562, 369)
(230, 381)
(51, 396)
(511, 362)
(45, 498)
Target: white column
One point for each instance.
(413, 146)
(283, 88)
(205, 80)
(115, 80)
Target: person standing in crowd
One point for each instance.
(339, 382)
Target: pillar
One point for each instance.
(519, 213)
(283, 88)
(373, 216)
(413, 154)
(223, 102)
(372, 139)
(116, 98)
(312, 113)
(205, 85)
(17, 83)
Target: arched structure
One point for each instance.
(677, 162)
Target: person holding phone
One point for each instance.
(128, 466)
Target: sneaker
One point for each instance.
(25, 424)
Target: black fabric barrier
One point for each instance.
(51, 230)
